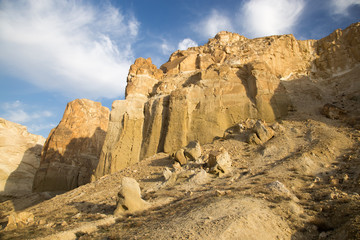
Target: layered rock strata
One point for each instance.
(204, 90)
(72, 149)
(19, 158)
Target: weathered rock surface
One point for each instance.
(261, 133)
(333, 112)
(219, 162)
(72, 150)
(19, 220)
(129, 197)
(205, 90)
(19, 158)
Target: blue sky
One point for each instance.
(54, 51)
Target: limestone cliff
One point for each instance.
(204, 90)
(19, 158)
(72, 149)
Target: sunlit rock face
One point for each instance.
(19, 158)
(202, 91)
(72, 149)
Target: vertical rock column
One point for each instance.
(124, 140)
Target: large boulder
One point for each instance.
(129, 197)
(19, 158)
(72, 149)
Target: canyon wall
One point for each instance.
(202, 91)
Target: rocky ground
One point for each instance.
(303, 183)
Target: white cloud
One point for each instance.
(264, 17)
(341, 6)
(166, 48)
(67, 46)
(21, 113)
(186, 43)
(213, 23)
(37, 128)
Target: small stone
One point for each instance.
(219, 193)
(167, 173)
(179, 156)
(177, 166)
(41, 222)
(193, 150)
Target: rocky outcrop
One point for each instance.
(19, 158)
(72, 150)
(205, 90)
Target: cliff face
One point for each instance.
(19, 158)
(204, 90)
(72, 149)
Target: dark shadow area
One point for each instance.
(161, 162)
(17, 193)
(92, 208)
(57, 173)
(20, 180)
(249, 81)
(194, 79)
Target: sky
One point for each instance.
(55, 51)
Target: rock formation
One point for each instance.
(72, 149)
(129, 198)
(204, 90)
(19, 158)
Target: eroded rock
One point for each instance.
(219, 162)
(129, 198)
(72, 150)
(333, 112)
(261, 133)
(19, 158)
(19, 220)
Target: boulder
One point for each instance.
(129, 198)
(19, 158)
(19, 220)
(333, 112)
(72, 149)
(200, 177)
(261, 133)
(179, 156)
(193, 150)
(219, 162)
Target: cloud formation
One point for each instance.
(213, 23)
(186, 43)
(24, 114)
(264, 17)
(341, 7)
(67, 46)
